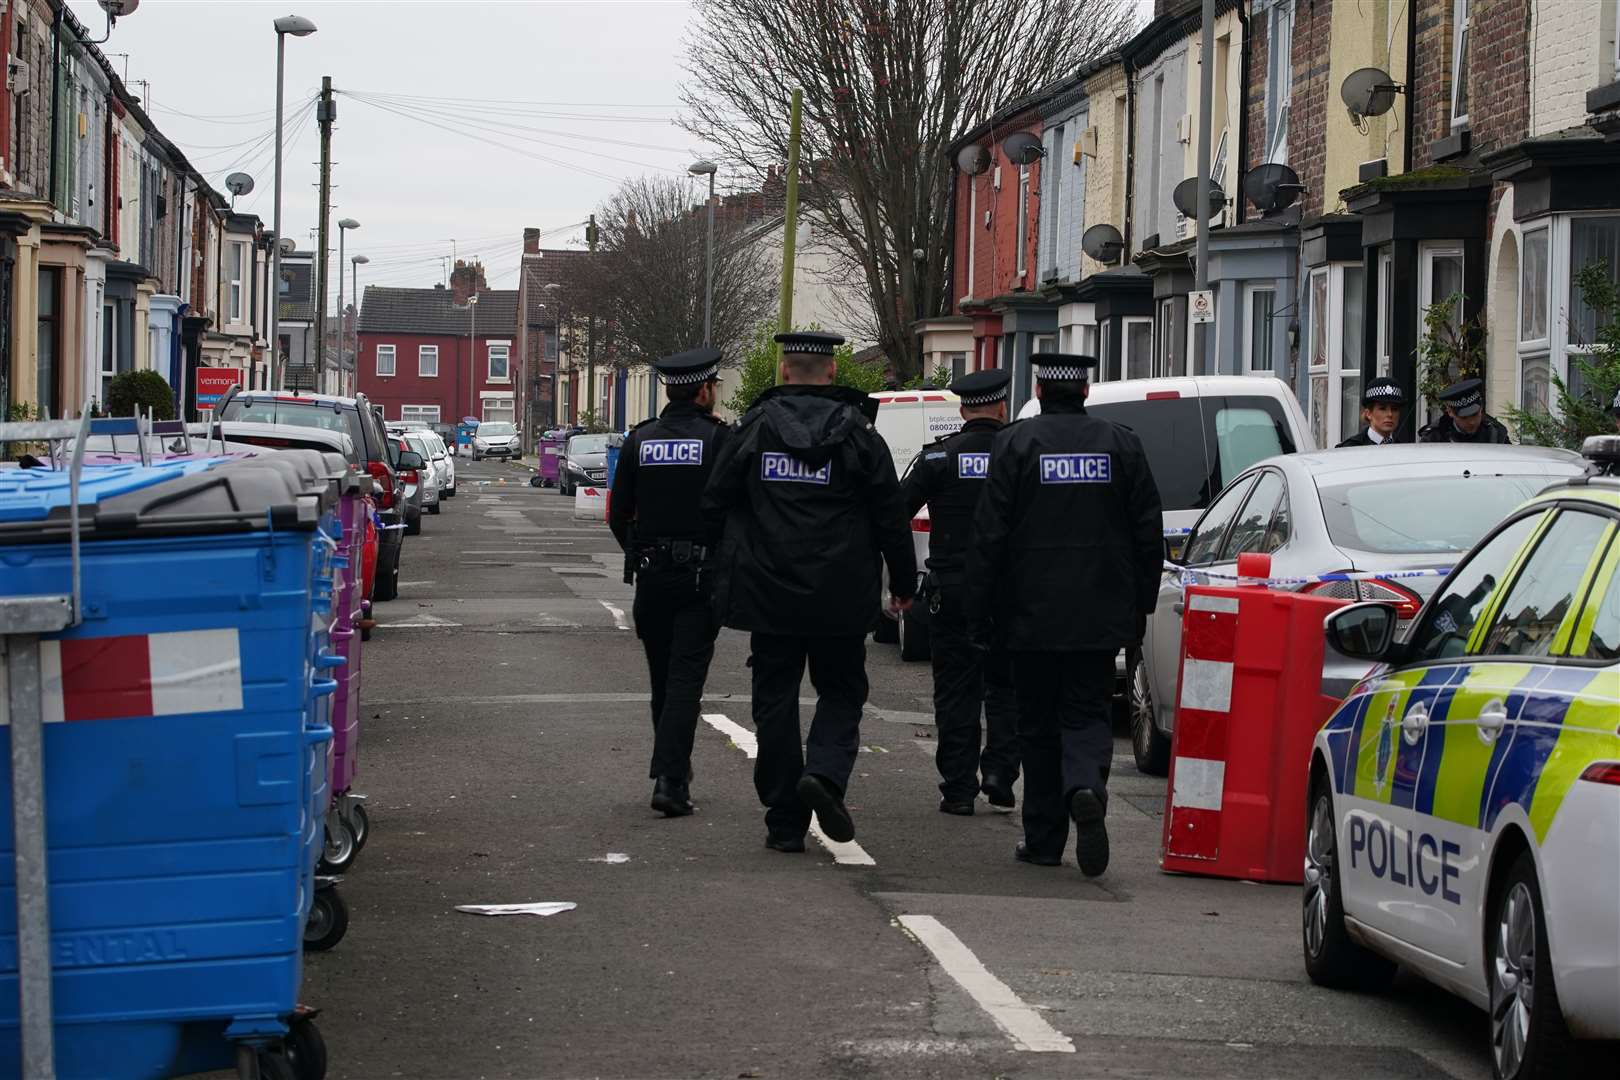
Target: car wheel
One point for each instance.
(434, 509)
(386, 586)
(1331, 958)
(449, 492)
(1149, 746)
(913, 637)
(413, 524)
(1528, 1035)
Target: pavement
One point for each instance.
(504, 751)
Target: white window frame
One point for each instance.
(1164, 325)
(1559, 346)
(1125, 344)
(1279, 81)
(1539, 342)
(393, 361)
(504, 403)
(427, 414)
(422, 354)
(236, 287)
(1023, 221)
(1253, 334)
(504, 351)
(1386, 311)
(1614, 29)
(1102, 352)
(1461, 16)
(108, 361)
(1331, 368)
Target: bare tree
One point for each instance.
(647, 279)
(887, 85)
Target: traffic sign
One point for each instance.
(213, 382)
(1201, 306)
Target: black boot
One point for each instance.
(1090, 834)
(959, 807)
(998, 791)
(820, 796)
(671, 798)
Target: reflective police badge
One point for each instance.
(1076, 468)
(672, 452)
(778, 467)
(972, 466)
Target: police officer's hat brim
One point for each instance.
(815, 342)
(982, 387)
(1465, 396)
(1383, 392)
(692, 366)
(1062, 367)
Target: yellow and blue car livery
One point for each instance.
(1445, 766)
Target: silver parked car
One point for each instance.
(1360, 509)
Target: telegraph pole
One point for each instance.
(590, 333)
(326, 113)
(790, 228)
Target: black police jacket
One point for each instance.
(1068, 538)
(663, 468)
(949, 476)
(1445, 429)
(811, 504)
(1361, 438)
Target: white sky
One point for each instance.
(413, 186)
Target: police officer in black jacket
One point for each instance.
(1381, 405)
(1065, 563)
(656, 517)
(1466, 420)
(811, 505)
(948, 476)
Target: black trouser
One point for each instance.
(966, 680)
(677, 629)
(838, 672)
(1065, 735)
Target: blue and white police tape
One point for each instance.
(378, 521)
(1192, 577)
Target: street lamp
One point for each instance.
(355, 264)
(472, 350)
(343, 227)
(297, 26)
(555, 291)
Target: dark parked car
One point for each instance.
(355, 417)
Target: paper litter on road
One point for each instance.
(550, 907)
(612, 857)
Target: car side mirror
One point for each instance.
(1362, 631)
(410, 459)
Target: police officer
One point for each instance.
(1466, 420)
(655, 515)
(811, 505)
(1064, 566)
(949, 475)
(1381, 405)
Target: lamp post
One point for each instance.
(707, 168)
(555, 291)
(472, 350)
(343, 227)
(355, 264)
(297, 26)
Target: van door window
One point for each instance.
(1246, 430)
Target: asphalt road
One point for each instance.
(504, 751)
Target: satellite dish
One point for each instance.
(1186, 199)
(1271, 187)
(119, 8)
(1369, 91)
(973, 160)
(1103, 243)
(1022, 148)
(288, 245)
(239, 183)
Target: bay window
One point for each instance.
(1259, 308)
(1556, 326)
(1138, 341)
(1335, 300)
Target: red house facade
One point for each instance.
(438, 354)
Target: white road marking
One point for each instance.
(421, 624)
(617, 613)
(1024, 1026)
(850, 854)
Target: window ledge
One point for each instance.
(1453, 145)
(1603, 98)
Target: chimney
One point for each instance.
(465, 280)
(531, 241)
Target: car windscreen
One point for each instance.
(1196, 446)
(311, 414)
(1421, 515)
(487, 430)
(588, 444)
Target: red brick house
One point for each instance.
(435, 355)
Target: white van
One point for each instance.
(908, 420)
(1200, 432)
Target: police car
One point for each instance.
(1464, 810)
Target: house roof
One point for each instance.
(298, 305)
(434, 311)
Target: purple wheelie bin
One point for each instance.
(549, 453)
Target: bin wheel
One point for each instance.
(341, 847)
(365, 633)
(535, 481)
(273, 1065)
(328, 921)
(305, 1050)
(360, 822)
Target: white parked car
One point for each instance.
(496, 439)
(444, 464)
(429, 478)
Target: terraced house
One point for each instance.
(1372, 161)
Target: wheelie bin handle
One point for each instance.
(332, 661)
(315, 736)
(323, 687)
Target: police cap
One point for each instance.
(1383, 392)
(982, 387)
(1467, 396)
(810, 341)
(692, 366)
(1062, 367)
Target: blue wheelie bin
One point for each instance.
(185, 762)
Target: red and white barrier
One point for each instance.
(590, 503)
